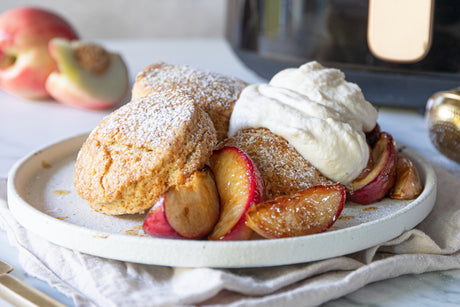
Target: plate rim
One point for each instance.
(203, 253)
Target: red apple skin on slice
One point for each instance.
(408, 184)
(156, 223)
(239, 232)
(310, 211)
(240, 186)
(379, 181)
(188, 211)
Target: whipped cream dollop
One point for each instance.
(318, 112)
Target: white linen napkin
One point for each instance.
(91, 281)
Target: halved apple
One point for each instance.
(186, 211)
(240, 185)
(88, 75)
(307, 212)
(376, 183)
(408, 184)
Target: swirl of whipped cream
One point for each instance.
(318, 112)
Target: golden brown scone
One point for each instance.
(284, 170)
(141, 149)
(213, 92)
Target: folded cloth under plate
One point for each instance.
(433, 245)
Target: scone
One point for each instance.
(141, 149)
(283, 169)
(213, 92)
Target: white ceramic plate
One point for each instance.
(42, 198)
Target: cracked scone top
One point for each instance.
(138, 151)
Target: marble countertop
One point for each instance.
(28, 125)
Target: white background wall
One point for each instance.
(94, 19)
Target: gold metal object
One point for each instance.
(443, 122)
(19, 293)
(5, 268)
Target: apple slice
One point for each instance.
(186, 211)
(309, 211)
(88, 76)
(156, 224)
(377, 182)
(408, 184)
(240, 185)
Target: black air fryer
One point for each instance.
(399, 52)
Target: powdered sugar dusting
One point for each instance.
(148, 123)
(201, 84)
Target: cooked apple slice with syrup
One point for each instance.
(408, 184)
(156, 224)
(380, 179)
(307, 212)
(240, 186)
(186, 211)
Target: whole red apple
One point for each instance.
(25, 62)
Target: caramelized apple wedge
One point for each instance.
(240, 185)
(186, 211)
(377, 182)
(408, 184)
(307, 212)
